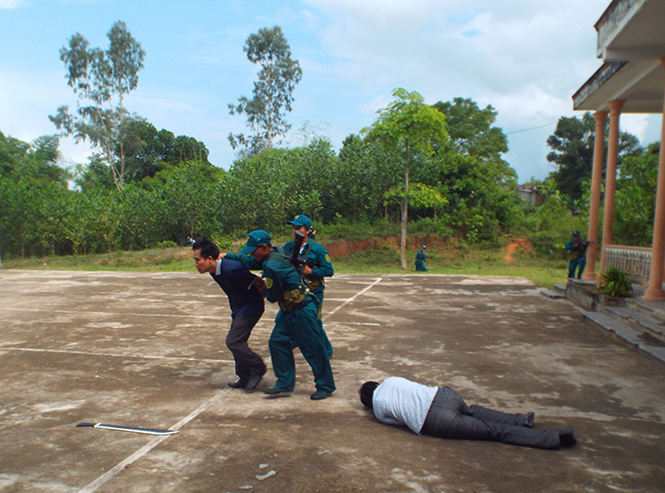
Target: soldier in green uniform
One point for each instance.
(421, 256)
(318, 265)
(296, 320)
(576, 249)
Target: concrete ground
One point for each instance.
(147, 350)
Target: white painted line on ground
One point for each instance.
(147, 448)
(115, 355)
(92, 487)
(377, 281)
(109, 314)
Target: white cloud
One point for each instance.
(376, 104)
(635, 124)
(10, 4)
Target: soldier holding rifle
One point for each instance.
(315, 263)
(297, 319)
(576, 249)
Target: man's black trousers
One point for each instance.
(450, 417)
(247, 361)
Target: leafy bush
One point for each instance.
(616, 283)
(167, 244)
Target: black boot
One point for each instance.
(567, 437)
(255, 378)
(240, 384)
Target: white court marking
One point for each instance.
(110, 314)
(115, 355)
(377, 281)
(92, 487)
(147, 448)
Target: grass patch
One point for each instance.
(172, 259)
(455, 260)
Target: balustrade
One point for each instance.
(634, 260)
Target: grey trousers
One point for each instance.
(450, 417)
(247, 361)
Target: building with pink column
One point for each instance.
(631, 43)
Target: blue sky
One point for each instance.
(526, 58)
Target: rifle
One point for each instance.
(298, 262)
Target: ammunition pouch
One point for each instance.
(315, 282)
(294, 299)
(575, 254)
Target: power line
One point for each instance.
(532, 128)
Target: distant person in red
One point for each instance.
(441, 412)
(245, 293)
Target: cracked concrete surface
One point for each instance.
(147, 349)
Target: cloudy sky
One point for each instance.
(525, 58)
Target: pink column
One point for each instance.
(597, 178)
(611, 180)
(655, 289)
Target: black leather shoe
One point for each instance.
(567, 437)
(254, 380)
(319, 395)
(277, 390)
(240, 384)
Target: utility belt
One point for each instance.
(294, 299)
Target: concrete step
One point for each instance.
(628, 335)
(640, 321)
(560, 288)
(553, 293)
(655, 310)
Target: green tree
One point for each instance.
(101, 79)
(409, 126)
(94, 175)
(273, 92)
(189, 207)
(356, 181)
(471, 129)
(34, 163)
(144, 217)
(572, 152)
(53, 214)
(149, 151)
(18, 216)
(636, 198)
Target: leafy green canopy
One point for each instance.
(636, 198)
(273, 92)
(101, 79)
(35, 163)
(150, 154)
(572, 147)
(409, 126)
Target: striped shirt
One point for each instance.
(398, 401)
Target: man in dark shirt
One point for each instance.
(244, 291)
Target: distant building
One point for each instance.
(531, 193)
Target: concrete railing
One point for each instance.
(634, 260)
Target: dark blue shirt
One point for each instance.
(238, 284)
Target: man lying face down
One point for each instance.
(441, 412)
